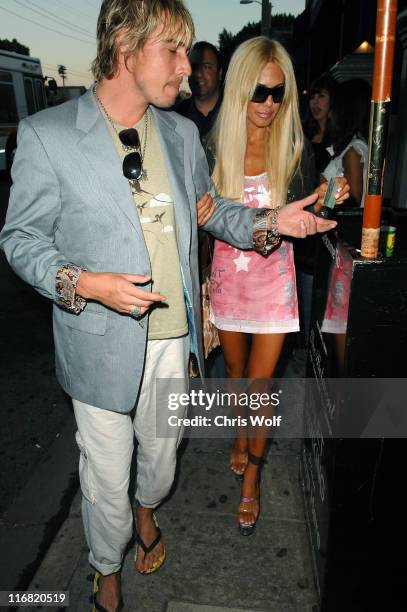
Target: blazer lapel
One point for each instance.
(172, 144)
(99, 149)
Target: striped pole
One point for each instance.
(379, 119)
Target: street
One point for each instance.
(33, 406)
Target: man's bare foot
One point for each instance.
(238, 458)
(108, 594)
(148, 531)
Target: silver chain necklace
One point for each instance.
(126, 148)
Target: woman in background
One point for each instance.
(317, 129)
(349, 131)
(317, 124)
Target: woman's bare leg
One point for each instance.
(235, 347)
(264, 354)
(235, 352)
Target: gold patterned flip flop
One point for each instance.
(147, 549)
(96, 606)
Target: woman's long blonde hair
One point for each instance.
(285, 136)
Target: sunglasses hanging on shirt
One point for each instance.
(133, 162)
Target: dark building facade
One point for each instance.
(327, 33)
(327, 30)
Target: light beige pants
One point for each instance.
(105, 439)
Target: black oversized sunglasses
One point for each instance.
(132, 163)
(261, 93)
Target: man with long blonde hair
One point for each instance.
(102, 220)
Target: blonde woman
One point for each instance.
(260, 160)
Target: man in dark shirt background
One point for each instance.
(205, 83)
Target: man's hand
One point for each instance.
(342, 193)
(294, 221)
(205, 209)
(117, 291)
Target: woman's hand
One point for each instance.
(342, 192)
(205, 208)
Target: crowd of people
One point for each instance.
(106, 228)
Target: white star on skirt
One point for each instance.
(242, 263)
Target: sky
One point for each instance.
(62, 31)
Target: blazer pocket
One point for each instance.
(87, 321)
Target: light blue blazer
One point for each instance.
(70, 203)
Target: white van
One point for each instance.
(22, 93)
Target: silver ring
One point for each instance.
(136, 312)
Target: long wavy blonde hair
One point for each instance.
(285, 140)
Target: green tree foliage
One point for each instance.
(284, 21)
(14, 45)
(228, 41)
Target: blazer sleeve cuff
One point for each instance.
(65, 288)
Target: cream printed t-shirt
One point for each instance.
(155, 207)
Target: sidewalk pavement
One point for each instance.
(209, 566)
